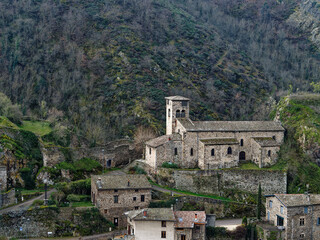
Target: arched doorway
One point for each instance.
(242, 156)
(109, 163)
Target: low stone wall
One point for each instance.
(221, 209)
(8, 198)
(218, 181)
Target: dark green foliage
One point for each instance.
(169, 165)
(244, 221)
(92, 222)
(162, 204)
(216, 232)
(26, 174)
(193, 206)
(79, 169)
(78, 198)
(76, 187)
(259, 203)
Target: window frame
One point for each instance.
(301, 222)
(115, 198)
(142, 198)
(212, 152)
(176, 151)
(281, 209)
(229, 151)
(305, 210)
(163, 234)
(191, 151)
(163, 223)
(241, 142)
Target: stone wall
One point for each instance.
(114, 154)
(217, 181)
(7, 198)
(220, 209)
(3, 178)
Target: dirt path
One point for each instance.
(24, 205)
(103, 236)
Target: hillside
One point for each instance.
(104, 67)
(299, 114)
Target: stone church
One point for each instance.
(212, 144)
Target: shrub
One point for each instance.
(136, 169)
(37, 202)
(169, 165)
(78, 198)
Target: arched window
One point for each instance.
(178, 114)
(212, 152)
(229, 150)
(169, 112)
(183, 113)
(191, 152)
(241, 142)
(269, 153)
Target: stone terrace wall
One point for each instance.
(3, 178)
(120, 152)
(8, 198)
(217, 181)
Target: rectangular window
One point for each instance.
(150, 151)
(305, 210)
(115, 221)
(183, 237)
(137, 190)
(163, 234)
(134, 199)
(142, 198)
(301, 221)
(116, 199)
(115, 190)
(191, 152)
(318, 221)
(184, 103)
(270, 204)
(176, 151)
(302, 236)
(281, 209)
(163, 224)
(136, 208)
(105, 211)
(197, 228)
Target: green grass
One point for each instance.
(82, 204)
(37, 127)
(279, 166)
(192, 193)
(249, 166)
(23, 192)
(5, 122)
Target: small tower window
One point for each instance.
(212, 152)
(178, 114)
(269, 153)
(229, 150)
(176, 151)
(150, 151)
(169, 111)
(183, 113)
(241, 142)
(191, 152)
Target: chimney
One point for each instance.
(196, 217)
(128, 183)
(144, 213)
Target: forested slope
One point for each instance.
(104, 67)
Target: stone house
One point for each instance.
(3, 178)
(114, 195)
(212, 144)
(164, 223)
(296, 216)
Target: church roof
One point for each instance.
(230, 126)
(295, 200)
(219, 141)
(156, 142)
(129, 181)
(266, 142)
(177, 98)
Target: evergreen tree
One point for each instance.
(259, 203)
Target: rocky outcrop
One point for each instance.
(307, 18)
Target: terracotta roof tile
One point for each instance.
(152, 214)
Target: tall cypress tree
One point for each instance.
(259, 203)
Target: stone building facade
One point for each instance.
(212, 144)
(164, 223)
(296, 215)
(114, 195)
(3, 178)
